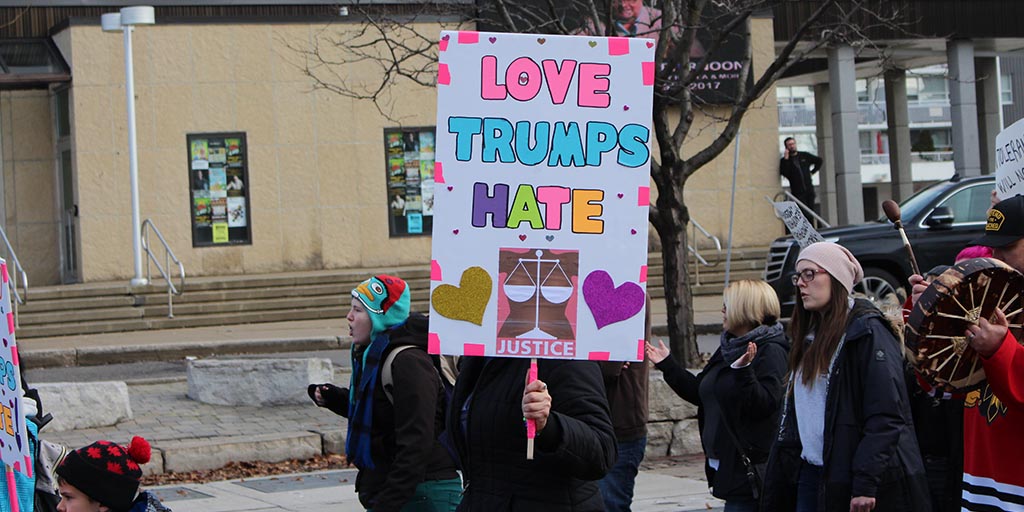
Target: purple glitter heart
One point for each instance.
(609, 304)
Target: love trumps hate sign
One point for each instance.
(542, 167)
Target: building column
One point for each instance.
(897, 119)
(989, 104)
(963, 107)
(842, 75)
(827, 176)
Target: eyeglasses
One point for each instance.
(807, 275)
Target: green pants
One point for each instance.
(435, 496)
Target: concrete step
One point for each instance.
(44, 305)
(26, 320)
(241, 306)
(245, 294)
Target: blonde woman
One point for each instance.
(738, 393)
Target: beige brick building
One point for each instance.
(315, 162)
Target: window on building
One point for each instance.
(219, 178)
(30, 63)
(933, 89)
(410, 174)
(1006, 89)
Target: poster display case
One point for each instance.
(410, 177)
(219, 189)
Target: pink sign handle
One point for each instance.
(531, 424)
(12, 489)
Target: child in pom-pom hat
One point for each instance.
(104, 477)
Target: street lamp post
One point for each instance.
(125, 21)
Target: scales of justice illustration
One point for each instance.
(555, 294)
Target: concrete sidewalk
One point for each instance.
(332, 491)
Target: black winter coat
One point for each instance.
(870, 448)
(798, 170)
(575, 449)
(404, 441)
(750, 398)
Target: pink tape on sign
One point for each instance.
(618, 46)
(435, 270)
(599, 356)
(442, 45)
(640, 349)
(28, 466)
(648, 72)
(433, 343)
(473, 349)
(7, 277)
(438, 172)
(643, 196)
(469, 37)
(10, 322)
(14, 355)
(443, 78)
(643, 273)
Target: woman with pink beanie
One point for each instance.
(846, 439)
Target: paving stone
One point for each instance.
(686, 438)
(255, 381)
(333, 440)
(190, 455)
(664, 404)
(659, 438)
(85, 404)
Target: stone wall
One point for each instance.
(672, 421)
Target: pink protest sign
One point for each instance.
(540, 233)
(13, 435)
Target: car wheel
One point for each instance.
(880, 287)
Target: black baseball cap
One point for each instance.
(1005, 223)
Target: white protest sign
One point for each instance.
(542, 195)
(13, 435)
(798, 225)
(1010, 161)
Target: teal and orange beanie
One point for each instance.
(387, 300)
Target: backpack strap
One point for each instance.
(387, 378)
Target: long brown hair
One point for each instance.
(828, 326)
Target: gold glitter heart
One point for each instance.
(468, 301)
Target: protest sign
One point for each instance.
(542, 194)
(14, 448)
(798, 225)
(1010, 161)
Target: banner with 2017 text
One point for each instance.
(542, 175)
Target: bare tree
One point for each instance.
(691, 34)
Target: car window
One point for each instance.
(970, 204)
(913, 206)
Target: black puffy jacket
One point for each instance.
(870, 448)
(575, 449)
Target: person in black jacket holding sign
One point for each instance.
(575, 442)
(846, 440)
(402, 464)
(738, 393)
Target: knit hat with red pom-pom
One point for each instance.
(107, 472)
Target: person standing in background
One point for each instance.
(797, 167)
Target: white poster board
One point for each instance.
(14, 448)
(1010, 161)
(542, 176)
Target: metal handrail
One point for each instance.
(696, 252)
(19, 298)
(789, 197)
(168, 258)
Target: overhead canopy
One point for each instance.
(30, 64)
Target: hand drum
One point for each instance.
(970, 290)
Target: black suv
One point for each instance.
(939, 220)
